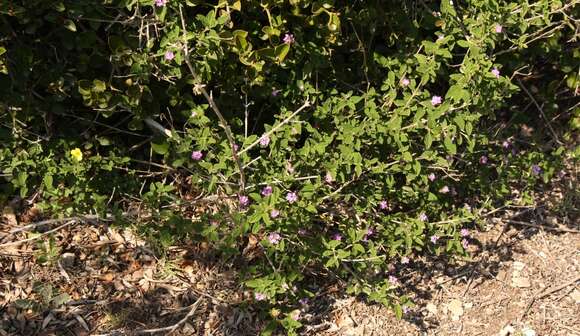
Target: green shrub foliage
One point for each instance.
(343, 136)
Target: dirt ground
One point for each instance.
(91, 279)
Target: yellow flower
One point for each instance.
(77, 154)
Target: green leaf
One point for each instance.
(48, 182)
(160, 148)
(68, 24)
(281, 52)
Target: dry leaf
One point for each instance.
(455, 307)
(9, 217)
(501, 275)
(82, 322)
(107, 277)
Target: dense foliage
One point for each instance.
(344, 136)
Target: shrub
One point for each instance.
(344, 136)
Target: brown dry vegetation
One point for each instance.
(94, 279)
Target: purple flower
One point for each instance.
(434, 239)
(302, 232)
(498, 28)
(303, 301)
(495, 72)
(169, 55)
(275, 92)
(464, 233)
(260, 296)
(404, 260)
(483, 160)
(444, 190)
(370, 231)
(267, 191)
(406, 310)
(465, 243)
(295, 314)
(236, 147)
(431, 177)
(160, 3)
(536, 170)
(423, 217)
(264, 140)
(196, 155)
(337, 236)
(274, 213)
(436, 100)
(274, 238)
(405, 82)
(383, 205)
(289, 38)
(393, 280)
(328, 178)
(506, 144)
(244, 200)
(291, 197)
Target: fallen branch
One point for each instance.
(31, 226)
(39, 236)
(540, 226)
(545, 293)
(172, 328)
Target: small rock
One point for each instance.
(521, 282)
(518, 266)
(67, 259)
(528, 332)
(507, 330)
(575, 295)
(455, 307)
(552, 220)
(432, 308)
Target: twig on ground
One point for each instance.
(39, 236)
(547, 292)
(32, 226)
(507, 223)
(544, 227)
(168, 330)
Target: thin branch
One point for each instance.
(547, 292)
(52, 221)
(168, 330)
(223, 123)
(39, 236)
(541, 112)
(275, 128)
(540, 226)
